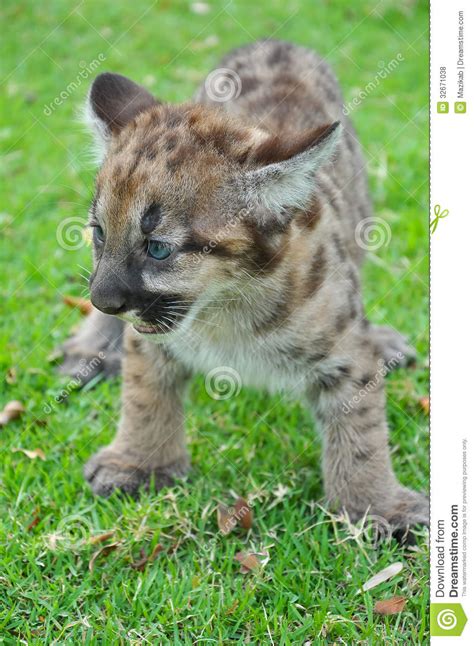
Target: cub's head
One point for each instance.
(189, 204)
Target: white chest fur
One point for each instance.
(250, 362)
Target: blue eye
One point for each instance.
(158, 250)
(98, 234)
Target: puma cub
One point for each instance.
(224, 236)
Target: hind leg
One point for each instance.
(392, 346)
(95, 348)
(358, 475)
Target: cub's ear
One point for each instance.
(113, 101)
(285, 176)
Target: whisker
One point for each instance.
(192, 332)
(168, 327)
(189, 302)
(187, 309)
(209, 323)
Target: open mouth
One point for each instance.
(148, 328)
(158, 318)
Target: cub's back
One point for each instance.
(284, 89)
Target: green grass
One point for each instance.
(252, 444)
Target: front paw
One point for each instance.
(393, 347)
(396, 516)
(108, 470)
(410, 508)
(84, 365)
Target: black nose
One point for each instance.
(107, 296)
(109, 309)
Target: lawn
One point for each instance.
(260, 447)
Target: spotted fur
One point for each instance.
(257, 199)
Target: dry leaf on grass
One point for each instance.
(232, 608)
(82, 304)
(390, 606)
(101, 538)
(156, 550)
(425, 404)
(243, 513)
(142, 562)
(251, 561)
(32, 454)
(384, 575)
(11, 411)
(248, 561)
(228, 517)
(35, 521)
(225, 519)
(104, 551)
